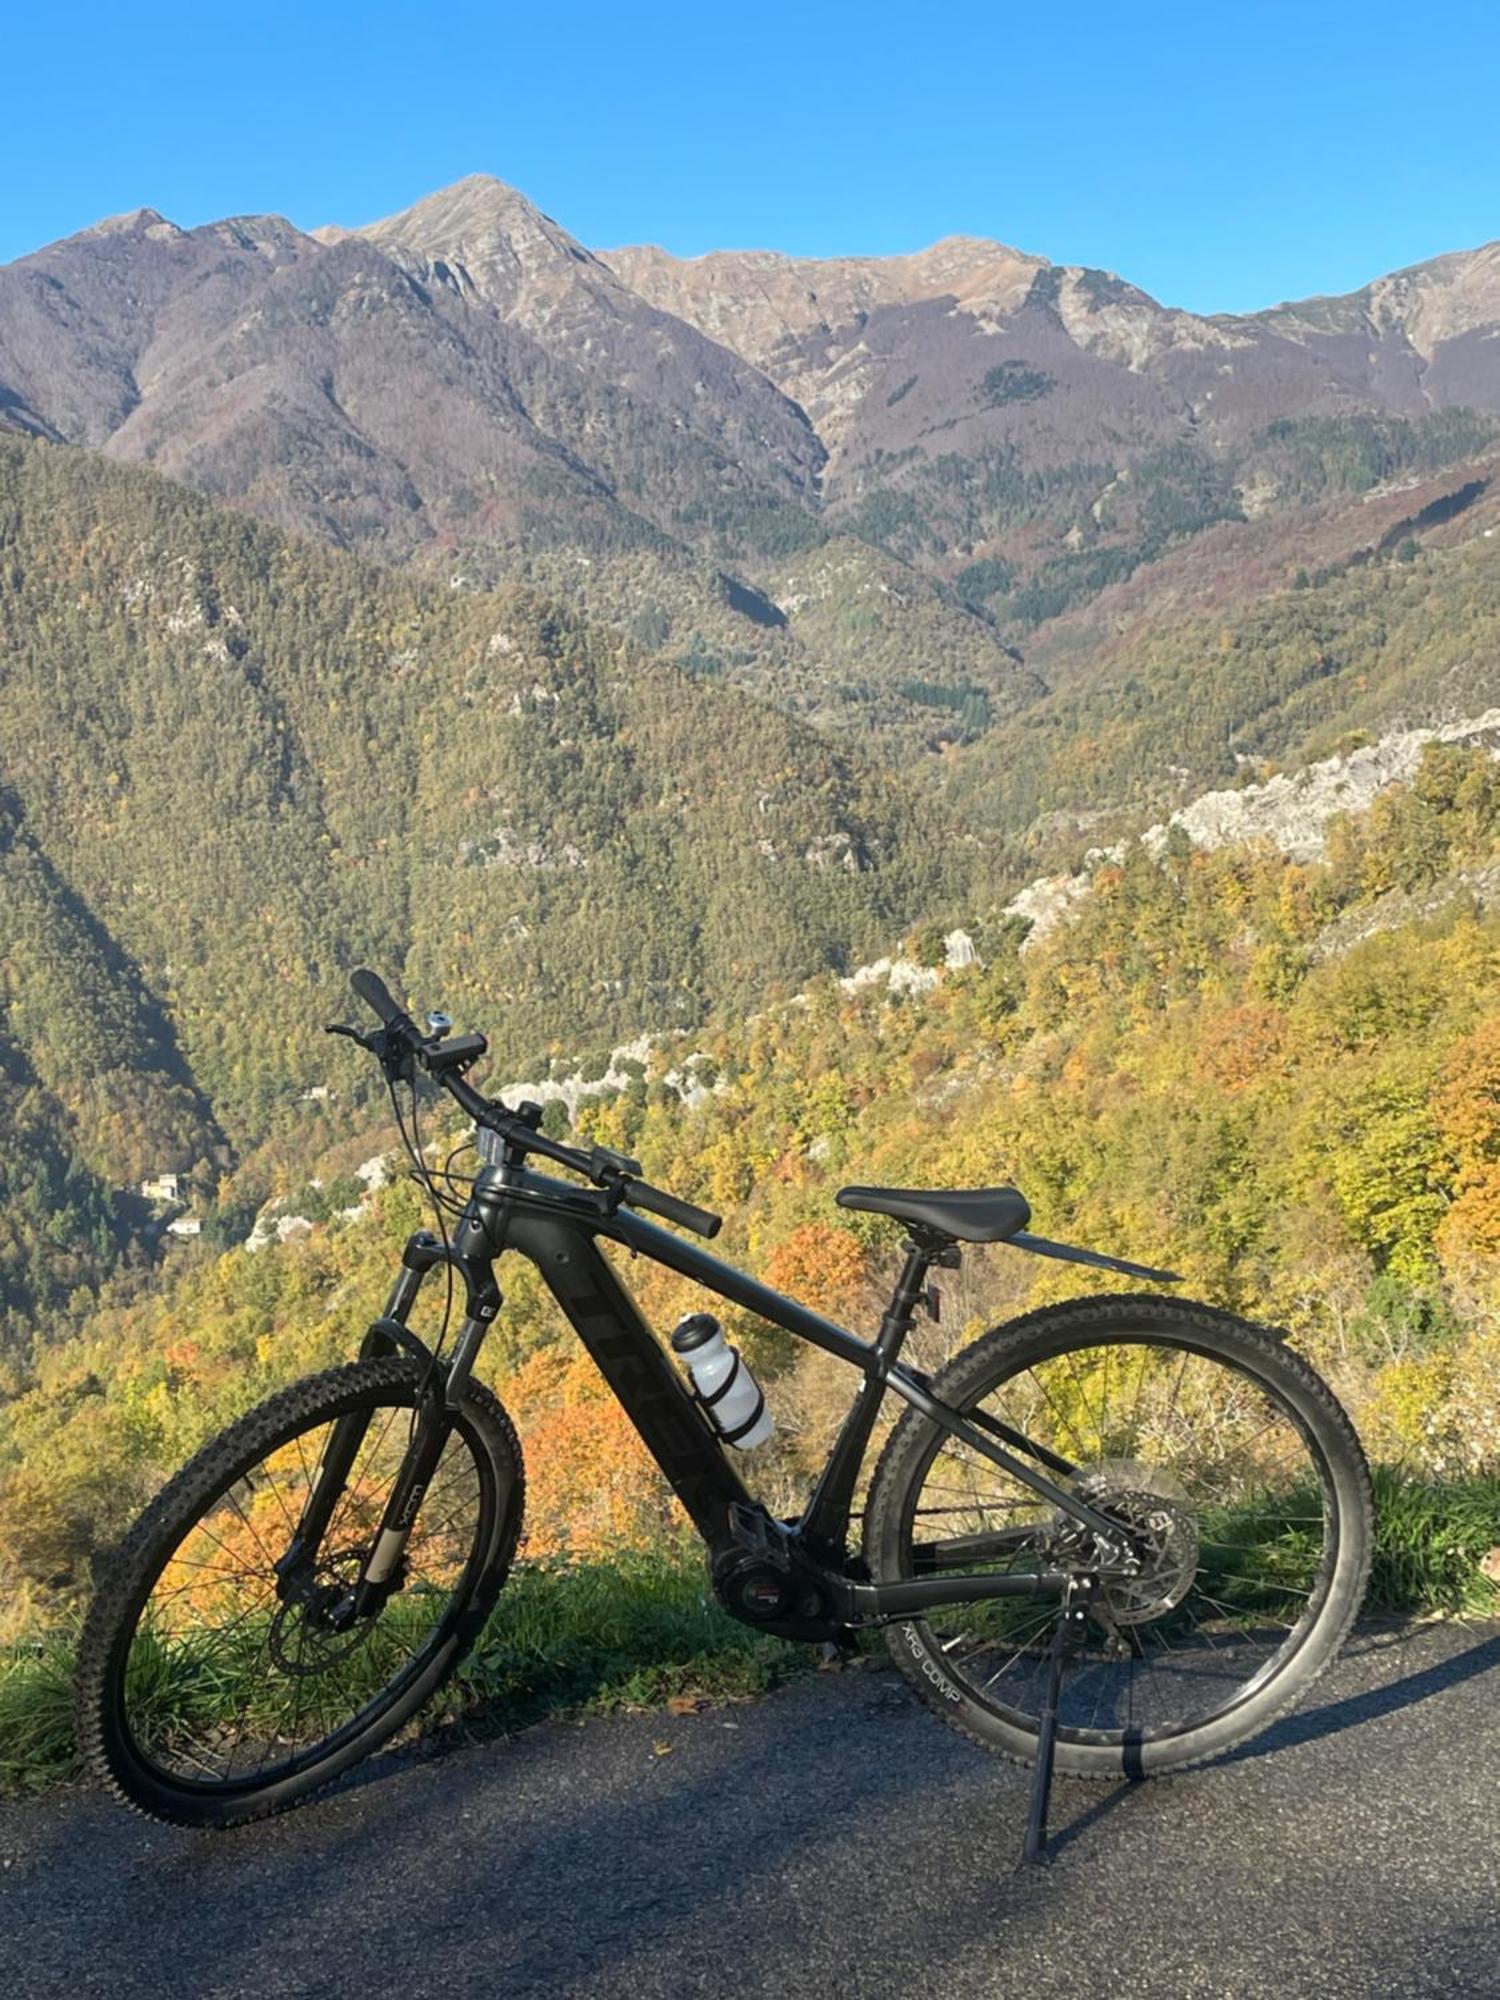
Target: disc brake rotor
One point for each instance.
(1153, 1507)
(302, 1640)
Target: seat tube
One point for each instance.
(825, 1523)
(896, 1323)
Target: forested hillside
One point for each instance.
(1280, 1078)
(860, 487)
(234, 765)
(96, 1094)
(1264, 653)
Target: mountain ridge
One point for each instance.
(729, 403)
(700, 450)
(486, 240)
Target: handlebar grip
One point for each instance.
(702, 1221)
(373, 990)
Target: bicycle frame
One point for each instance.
(1071, 1533)
(556, 1224)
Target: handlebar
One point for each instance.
(376, 995)
(403, 1043)
(702, 1221)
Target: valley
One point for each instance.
(946, 716)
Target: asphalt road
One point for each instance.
(833, 1840)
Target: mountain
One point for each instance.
(487, 245)
(373, 399)
(1034, 432)
(466, 387)
(1276, 1075)
(94, 1094)
(93, 324)
(773, 309)
(1421, 336)
(1253, 648)
(831, 331)
(232, 765)
(1014, 526)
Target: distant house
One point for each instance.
(319, 1093)
(185, 1225)
(163, 1187)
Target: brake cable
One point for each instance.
(423, 1178)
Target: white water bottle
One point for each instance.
(726, 1388)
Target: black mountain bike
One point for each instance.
(1116, 1536)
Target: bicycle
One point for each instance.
(1114, 1537)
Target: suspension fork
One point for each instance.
(441, 1390)
(387, 1335)
(471, 1255)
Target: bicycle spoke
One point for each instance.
(1177, 1436)
(234, 1673)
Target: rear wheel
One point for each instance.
(211, 1693)
(1227, 1457)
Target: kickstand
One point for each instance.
(1067, 1639)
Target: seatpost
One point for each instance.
(910, 1287)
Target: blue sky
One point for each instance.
(1223, 157)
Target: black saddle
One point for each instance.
(969, 1215)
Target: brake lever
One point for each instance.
(391, 1051)
(354, 1034)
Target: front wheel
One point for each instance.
(209, 1690)
(1233, 1467)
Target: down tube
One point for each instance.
(608, 1322)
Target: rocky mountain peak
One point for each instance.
(268, 236)
(148, 222)
(486, 241)
(1442, 299)
(764, 303)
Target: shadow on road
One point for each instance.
(1309, 1726)
(817, 1842)
(1314, 1723)
(1061, 1837)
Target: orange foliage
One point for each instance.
(1241, 1044)
(591, 1485)
(819, 1264)
(1467, 1106)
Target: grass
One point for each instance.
(625, 1634)
(36, 1712)
(565, 1638)
(1430, 1539)
(640, 1629)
